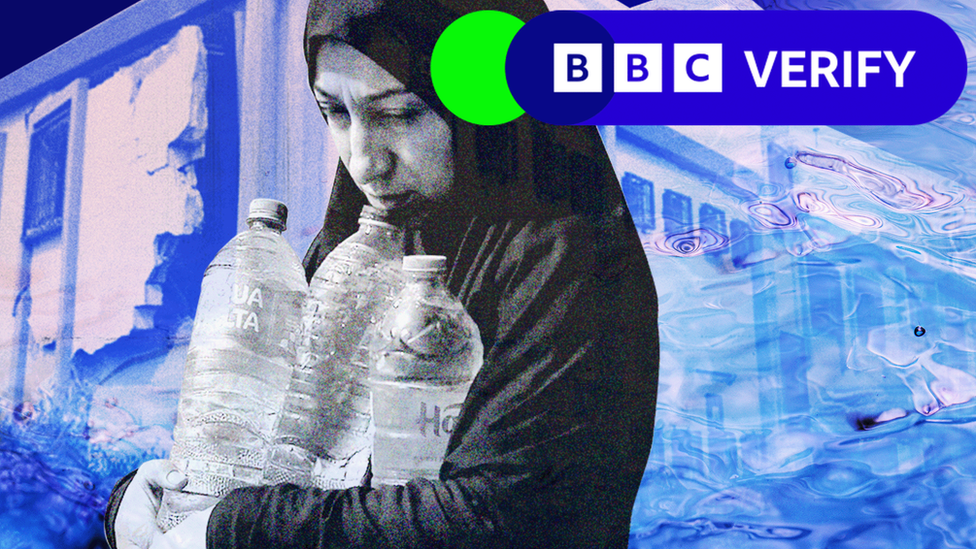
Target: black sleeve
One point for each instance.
(553, 439)
(112, 508)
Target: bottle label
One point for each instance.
(250, 313)
(435, 420)
(413, 426)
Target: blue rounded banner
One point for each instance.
(736, 68)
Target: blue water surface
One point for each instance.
(818, 379)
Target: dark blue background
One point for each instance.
(538, 35)
(29, 29)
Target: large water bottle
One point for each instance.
(242, 351)
(324, 437)
(424, 355)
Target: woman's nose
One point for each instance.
(371, 158)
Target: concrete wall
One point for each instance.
(146, 126)
(142, 128)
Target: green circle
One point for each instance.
(467, 67)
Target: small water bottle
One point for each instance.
(424, 354)
(242, 351)
(324, 436)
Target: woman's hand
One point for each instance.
(189, 534)
(135, 525)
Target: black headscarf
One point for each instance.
(522, 169)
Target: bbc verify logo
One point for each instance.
(698, 68)
(857, 67)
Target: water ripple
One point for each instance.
(771, 216)
(699, 528)
(882, 188)
(687, 244)
(811, 202)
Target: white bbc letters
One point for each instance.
(637, 68)
(577, 68)
(698, 67)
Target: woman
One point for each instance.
(551, 444)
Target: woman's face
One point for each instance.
(396, 148)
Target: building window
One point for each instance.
(676, 211)
(46, 171)
(639, 195)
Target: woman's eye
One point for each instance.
(335, 114)
(407, 115)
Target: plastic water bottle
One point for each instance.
(424, 355)
(242, 351)
(324, 437)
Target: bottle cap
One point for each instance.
(425, 263)
(269, 210)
